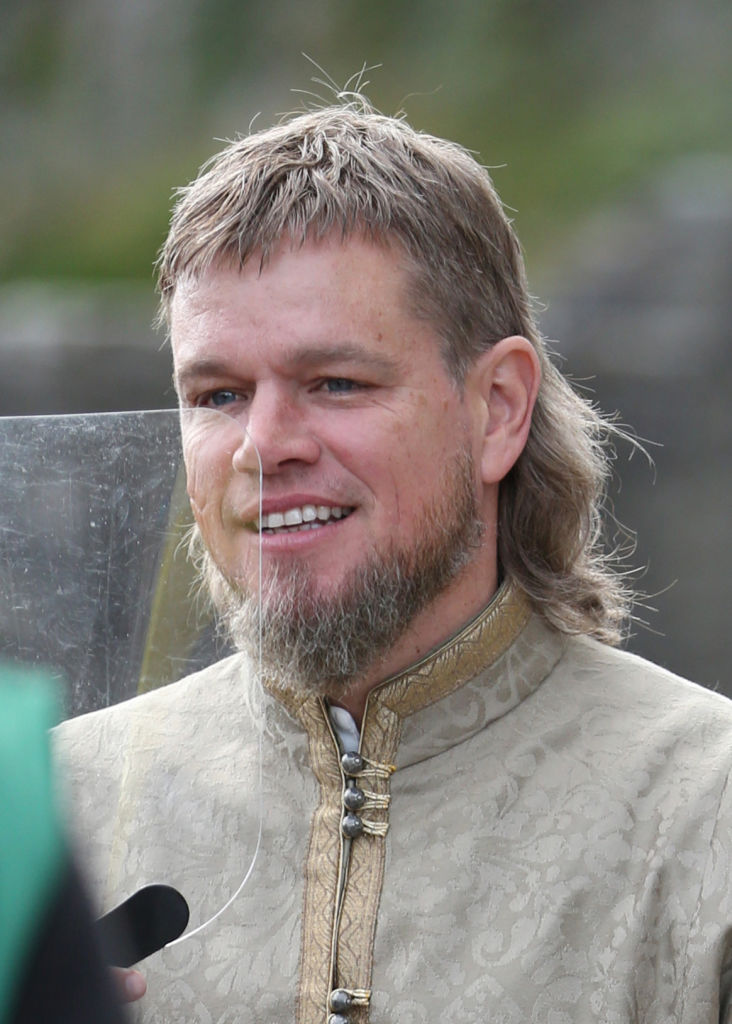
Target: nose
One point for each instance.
(277, 434)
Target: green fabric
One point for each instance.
(31, 847)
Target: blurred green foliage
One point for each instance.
(108, 106)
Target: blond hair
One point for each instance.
(349, 169)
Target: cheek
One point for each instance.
(402, 481)
(210, 442)
(208, 463)
(206, 481)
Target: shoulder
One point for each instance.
(163, 710)
(633, 681)
(620, 698)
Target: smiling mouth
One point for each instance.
(302, 517)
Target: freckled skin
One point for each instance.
(272, 344)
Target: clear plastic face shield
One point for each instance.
(97, 587)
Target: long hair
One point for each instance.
(351, 170)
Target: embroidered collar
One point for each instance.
(477, 676)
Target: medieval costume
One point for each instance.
(535, 827)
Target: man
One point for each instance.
(473, 806)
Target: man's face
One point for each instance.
(345, 395)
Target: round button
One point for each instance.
(337, 1018)
(339, 1001)
(352, 825)
(352, 763)
(354, 798)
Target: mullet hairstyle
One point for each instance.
(351, 170)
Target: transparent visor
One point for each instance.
(97, 586)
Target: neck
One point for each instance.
(431, 628)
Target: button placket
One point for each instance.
(356, 770)
(355, 798)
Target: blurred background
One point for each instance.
(608, 129)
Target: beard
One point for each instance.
(319, 644)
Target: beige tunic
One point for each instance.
(553, 846)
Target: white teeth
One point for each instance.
(303, 518)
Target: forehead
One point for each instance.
(323, 291)
(353, 262)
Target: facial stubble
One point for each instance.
(321, 643)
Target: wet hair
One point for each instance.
(351, 170)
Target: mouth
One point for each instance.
(301, 517)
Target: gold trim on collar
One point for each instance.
(475, 648)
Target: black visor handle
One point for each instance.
(151, 918)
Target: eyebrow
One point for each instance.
(200, 368)
(311, 356)
(342, 353)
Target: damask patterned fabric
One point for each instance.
(546, 838)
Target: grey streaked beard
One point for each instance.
(321, 644)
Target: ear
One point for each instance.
(505, 380)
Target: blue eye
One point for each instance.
(222, 397)
(340, 385)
